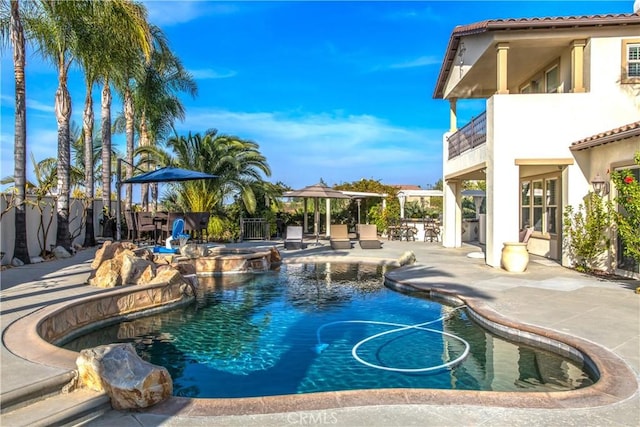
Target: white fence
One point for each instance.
(35, 234)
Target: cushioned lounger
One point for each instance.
(369, 237)
(340, 237)
(293, 239)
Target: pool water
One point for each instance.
(327, 327)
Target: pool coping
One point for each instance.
(617, 380)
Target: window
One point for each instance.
(631, 61)
(545, 80)
(539, 205)
(552, 79)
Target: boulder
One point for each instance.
(276, 257)
(107, 275)
(129, 381)
(168, 275)
(135, 270)
(109, 250)
(60, 253)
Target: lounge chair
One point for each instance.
(293, 239)
(339, 237)
(369, 237)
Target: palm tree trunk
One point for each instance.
(144, 141)
(106, 157)
(63, 115)
(87, 123)
(20, 248)
(129, 130)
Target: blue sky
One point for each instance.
(334, 90)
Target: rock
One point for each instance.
(190, 250)
(185, 268)
(36, 260)
(60, 253)
(168, 275)
(276, 258)
(129, 381)
(407, 258)
(136, 271)
(107, 275)
(109, 250)
(16, 262)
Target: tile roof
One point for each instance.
(510, 24)
(618, 134)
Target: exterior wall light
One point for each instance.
(600, 186)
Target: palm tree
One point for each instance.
(155, 96)
(56, 30)
(238, 164)
(17, 37)
(102, 52)
(127, 43)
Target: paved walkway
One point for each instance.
(605, 314)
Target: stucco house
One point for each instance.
(562, 107)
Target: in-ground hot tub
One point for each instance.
(221, 260)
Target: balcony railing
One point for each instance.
(470, 136)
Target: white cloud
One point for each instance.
(303, 148)
(168, 12)
(422, 61)
(210, 73)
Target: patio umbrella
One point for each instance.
(317, 191)
(166, 174)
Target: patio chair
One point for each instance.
(130, 221)
(144, 225)
(339, 237)
(525, 234)
(293, 239)
(369, 237)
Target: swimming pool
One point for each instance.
(325, 327)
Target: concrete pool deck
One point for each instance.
(603, 314)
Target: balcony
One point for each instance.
(470, 136)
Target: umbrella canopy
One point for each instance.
(168, 174)
(320, 191)
(317, 191)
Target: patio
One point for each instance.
(547, 295)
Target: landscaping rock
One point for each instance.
(276, 258)
(135, 270)
(107, 275)
(129, 381)
(60, 253)
(109, 250)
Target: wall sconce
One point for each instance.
(600, 186)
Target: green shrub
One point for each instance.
(586, 231)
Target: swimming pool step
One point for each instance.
(71, 409)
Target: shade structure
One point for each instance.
(168, 174)
(317, 191)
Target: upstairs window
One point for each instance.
(631, 61)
